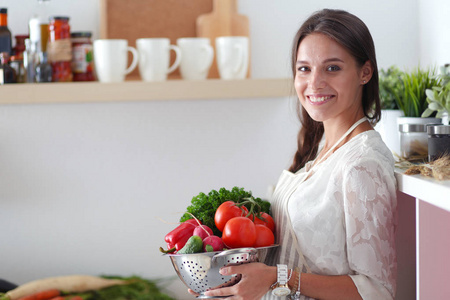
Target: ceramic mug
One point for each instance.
(111, 59)
(154, 58)
(197, 57)
(232, 56)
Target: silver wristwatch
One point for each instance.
(281, 288)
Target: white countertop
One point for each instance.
(425, 188)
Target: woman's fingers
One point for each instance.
(220, 292)
(192, 292)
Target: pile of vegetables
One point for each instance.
(204, 206)
(222, 220)
(86, 287)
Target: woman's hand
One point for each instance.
(255, 282)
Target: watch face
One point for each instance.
(281, 291)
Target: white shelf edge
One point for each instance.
(79, 92)
(424, 188)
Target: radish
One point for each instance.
(203, 231)
(214, 241)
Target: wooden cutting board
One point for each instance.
(224, 20)
(133, 19)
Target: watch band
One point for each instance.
(281, 287)
(282, 274)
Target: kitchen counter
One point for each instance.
(427, 189)
(423, 240)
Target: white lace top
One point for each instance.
(344, 216)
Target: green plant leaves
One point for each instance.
(438, 96)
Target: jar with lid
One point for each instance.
(413, 141)
(59, 49)
(438, 141)
(82, 58)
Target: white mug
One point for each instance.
(232, 56)
(197, 57)
(111, 59)
(154, 58)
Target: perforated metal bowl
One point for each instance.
(200, 271)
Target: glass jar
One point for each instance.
(413, 141)
(16, 63)
(82, 62)
(43, 69)
(59, 49)
(438, 141)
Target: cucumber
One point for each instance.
(193, 245)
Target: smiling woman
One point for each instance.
(335, 207)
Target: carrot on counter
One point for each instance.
(70, 283)
(42, 295)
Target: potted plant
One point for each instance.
(438, 98)
(412, 100)
(391, 86)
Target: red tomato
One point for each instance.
(239, 232)
(268, 221)
(264, 236)
(227, 211)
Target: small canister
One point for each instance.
(438, 141)
(82, 58)
(413, 141)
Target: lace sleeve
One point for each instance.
(370, 218)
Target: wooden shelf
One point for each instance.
(79, 92)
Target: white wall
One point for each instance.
(83, 186)
(434, 32)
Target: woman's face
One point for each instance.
(328, 81)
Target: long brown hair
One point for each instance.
(351, 33)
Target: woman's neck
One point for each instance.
(333, 131)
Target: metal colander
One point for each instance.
(200, 271)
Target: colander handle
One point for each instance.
(251, 251)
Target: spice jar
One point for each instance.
(438, 141)
(413, 141)
(59, 49)
(82, 58)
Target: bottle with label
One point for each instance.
(7, 74)
(82, 58)
(43, 69)
(5, 34)
(59, 49)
